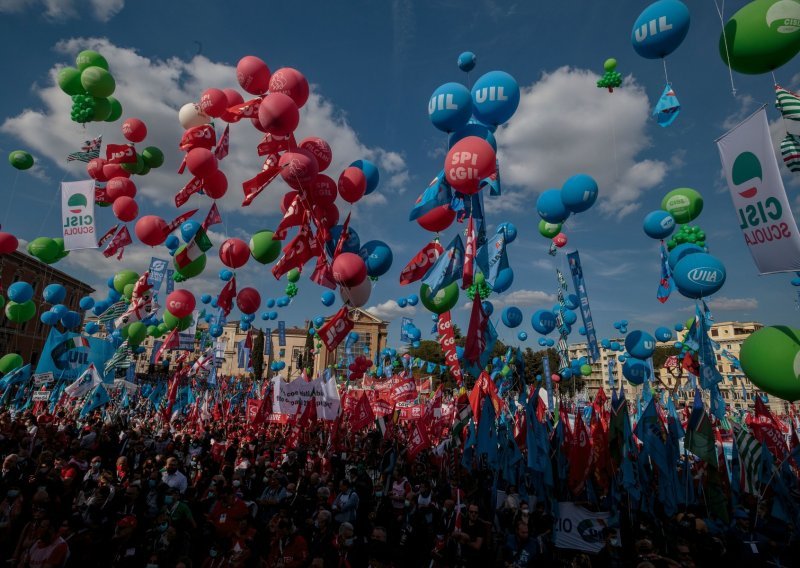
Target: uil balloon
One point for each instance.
(450, 107)
(512, 316)
(550, 207)
(659, 224)
(495, 97)
(579, 193)
(660, 29)
(640, 344)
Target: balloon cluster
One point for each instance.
(687, 234)
(554, 206)
(611, 79)
(621, 326)
(405, 301)
(90, 85)
(47, 250)
(479, 286)
(358, 367)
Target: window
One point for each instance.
(714, 332)
(364, 340)
(34, 358)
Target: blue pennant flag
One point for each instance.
(448, 267)
(98, 398)
(666, 284)
(17, 376)
(437, 193)
(667, 107)
(491, 258)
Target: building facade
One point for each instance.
(27, 339)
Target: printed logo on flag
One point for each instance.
(77, 212)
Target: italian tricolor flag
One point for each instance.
(199, 244)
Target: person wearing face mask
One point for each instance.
(179, 513)
(95, 469)
(172, 477)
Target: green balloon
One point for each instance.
(586, 370)
(116, 110)
(60, 248)
(102, 110)
(137, 331)
(2, 302)
(171, 322)
(20, 159)
(127, 291)
(610, 64)
(293, 275)
(770, 359)
(98, 82)
(69, 81)
(263, 248)
(162, 329)
(762, 36)
(152, 330)
(44, 248)
(549, 230)
(192, 269)
(89, 58)
(144, 171)
(684, 204)
(19, 313)
(123, 278)
(10, 362)
(153, 157)
(444, 300)
(135, 168)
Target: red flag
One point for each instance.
(343, 236)
(212, 218)
(476, 342)
(253, 408)
(198, 137)
(521, 430)
(101, 195)
(299, 251)
(302, 424)
(447, 341)
(172, 395)
(226, 295)
(272, 144)
(254, 186)
(336, 329)
(294, 216)
(765, 430)
(105, 238)
(118, 243)
(417, 441)
(247, 109)
(601, 456)
(224, 143)
(171, 342)
(120, 154)
(180, 220)
(265, 407)
(404, 391)
(248, 339)
(421, 263)
(323, 273)
(469, 256)
(195, 185)
(362, 415)
(580, 454)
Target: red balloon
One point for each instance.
(298, 168)
(290, 82)
(234, 253)
(257, 124)
(201, 162)
(278, 114)
(288, 199)
(213, 102)
(352, 184)
(322, 191)
(349, 269)
(438, 219)
(234, 98)
(8, 243)
(555, 378)
(560, 240)
(248, 300)
(216, 184)
(253, 74)
(320, 149)
(470, 160)
(181, 303)
(125, 208)
(115, 170)
(119, 186)
(95, 169)
(326, 214)
(151, 230)
(134, 130)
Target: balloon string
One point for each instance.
(720, 12)
(666, 77)
(774, 80)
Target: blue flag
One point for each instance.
(491, 257)
(20, 375)
(667, 107)
(650, 431)
(98, 398)
(447, 268)
(437, 193)
(666, 284)
(487, 433)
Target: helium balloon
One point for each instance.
(263, 248)
(323, 191)
(180, 303)
(69, 81)
(54, 293)
(120, 186)
(298, 168)
(470, 160)
(134, 130)
(570, 317)
(98, 82)
(402, 302)
(684, 204)
(488, 307)
(504, 280)
(682, 251)
(371, 172)
(125, 208)
(225, 274)
(10, 362)
(213, 102)
(572, 302)
(522, 336)
(321, 151)
(171, 322)
(438, 219)
(86, 303)
(640, 344)
(20, 292)
(270, 303)
(90, 58)
(761, 37)
(444, 300)
(172, 242)
(560, 240)
(512, 317)
(377, 256)
(291, 83)
(357, 295)
(20, 312)
(663, 334)
(508, 230)
(495, 97)
(660, 29)
(111, 171)
(151, 230)
(253, 75)
(635, 370)
(467, 61)
(137, 332)
(769, 359)
(413, 299)
(450, 107)
(699, 275)
(349, 269)
(352, 184)
(59, 310)
(20, 160)
(550, 207)
(579, 193)
(191, 115)
(543, 321)
(293, 275)
(659, 224)
(8, 243)
(234, 253)
(549, 230)
(215, 185)
(278, 114)
(201, 162)
(248, 300)
(194, 268)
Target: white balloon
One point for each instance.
(358, 295)
(190, 116)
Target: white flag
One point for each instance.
(77, 214)
(759, 198)
(85, 383)
(577, 528)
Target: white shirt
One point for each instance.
(175, 480)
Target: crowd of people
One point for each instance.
(123, 488)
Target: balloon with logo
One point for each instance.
(186, 266)
(543, 321)
(658, 224)
(181, 303)
(495, 98)
(579, 193)
(549, 230)
(370, 172)
(512, 317)
(450, 107)
(762, 36)
(640, 344)
(769, 359)
(551, 208)
(660, 29)
(663, 334)
(699, 275)
(444, 300)
(684, 204)
(468, 162)
(635, 370)
(377, 256)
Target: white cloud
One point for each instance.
(565, 125)
(732, 304)
(104, 10)
(389, 310)
(519, 298)
(60, 10)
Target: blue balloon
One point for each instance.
(402, 302)
(353, 336)
(91, 328)
(582, 330)
(640, 344)
(663, 334)
(312, 331)
(100, 307)
(435, 317)
(413, 333)
(495, 97)
(352, 244)
(415, 344)
(550, 342)
(512, 317)
(450, 107)
(522, 336)
(370, 172)
(189, 229)
(795, 281)
(172, 242)
(543, 341)
(71, 320)
(327, 298)
(682, 251)
(570, 317)
(508, 230)
(579, 193)
(86, 303)
(318, 321)
(225, 275)
(550, 207)
(270, 303)
(264, 316)
(660, 29)
(459, 352)
(273, 315)
(285, 301)
(473, 128)
(20, 292)
(622, 358)
(504, 280)
(113, 296)
(215, 302)
(139, 349)
(244, 326)
(635, 370)
(678, 327)
(207, 318)
(699, 275)
(566, 374)
(658, 224)
(205, 298)
(110, 283)
(59, 309)
(49, 318)
(54, 293)
(678, 345)
(377, 256)
(215, 330)
(488, 307)
(605, 343)
(413, 300)
(615, 346)
(572, 302)
(467, 61)
(543, 321)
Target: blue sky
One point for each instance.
(373, 66)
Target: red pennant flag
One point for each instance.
(171, 342)
(421, 263)
(476, 342)
(447, 341)
(180, 220)
(294, 216)
(226, 296)
(343, 236)
(254, 186)
(101, 195)
(120, 154)
(417, 441)
(198, 137)
(118, 243)
(272, 144)
(212, 218)
(253, 407)
(223, 146)
(195, 185)
(105, 238)
(300, 250)
(469, 256)
(247, 109)
(580, 455)
(403, 391)
(323, 273)
(336, 329)
(362, 414)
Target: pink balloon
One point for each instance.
(438, 219)
(125, 208)
(287, 200)
(215, 185)
(290, 82)
(326, 214)
(151, 230)
(8, 243)
(257, 124)
(555, 378)
(352, 184)
(120, 186)
(234, 253)
(560, 240)
(322, 190)
(181, 303)
(115, 170)
(234, 98)
(134, 130)
(95, 169)
(201, 162)
(213, 102)
(278, 114)
(298, 168)
(349, 269)
(248, 300)
(470, 160)
(320, 149)
(253, 74)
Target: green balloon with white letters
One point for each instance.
(684, 204)
(770, 358)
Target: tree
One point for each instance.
(257, 356)
(661, 354)
(308, 360)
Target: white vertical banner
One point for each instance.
(756, 187)
(77, 214)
